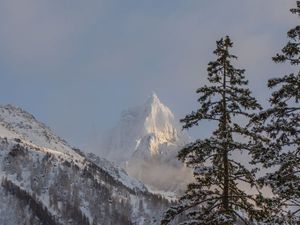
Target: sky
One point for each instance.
(76, 65)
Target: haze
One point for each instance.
(77, 64)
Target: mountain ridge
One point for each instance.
(47, 178)
(146, 142)
(153, 120)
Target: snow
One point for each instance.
(144, 128)
(146, 142)
(30, 171)
(169, 195)
(45, 159)
(118, 173)
(17, 123)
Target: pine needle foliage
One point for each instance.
(216, 198)
(281, 123)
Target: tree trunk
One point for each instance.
(225, 147)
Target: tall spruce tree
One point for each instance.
(281, 122)
(216, 196)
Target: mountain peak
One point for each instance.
(153, 98)
(12, 109)
(146, 142)
(155, 108)
(17, 123)
(144, 129)
(158, 118)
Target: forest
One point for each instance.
(226, 191)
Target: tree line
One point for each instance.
(35, 205)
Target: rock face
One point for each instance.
(146, 142)
(46, 181)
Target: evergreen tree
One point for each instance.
(216, 196)
(281, 123)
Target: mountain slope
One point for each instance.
(17, 123)
(49, 182)
(144, 128)
(146, 142)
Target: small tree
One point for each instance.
(281, 122)
(216, 197)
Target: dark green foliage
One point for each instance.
(34, 204)
(17, 150)
(73, 190)
(216, 197)
(281, 123)
(74, 214)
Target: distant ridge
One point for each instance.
(146, 142)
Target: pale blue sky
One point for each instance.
(77, 64)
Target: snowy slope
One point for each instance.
(144, 128)
(17, 123)
(117, 173)
(146, 142)
(52, 183)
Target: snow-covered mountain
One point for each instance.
(17, 123)
(146, 142)
(46, 181)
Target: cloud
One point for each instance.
(113, 53)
